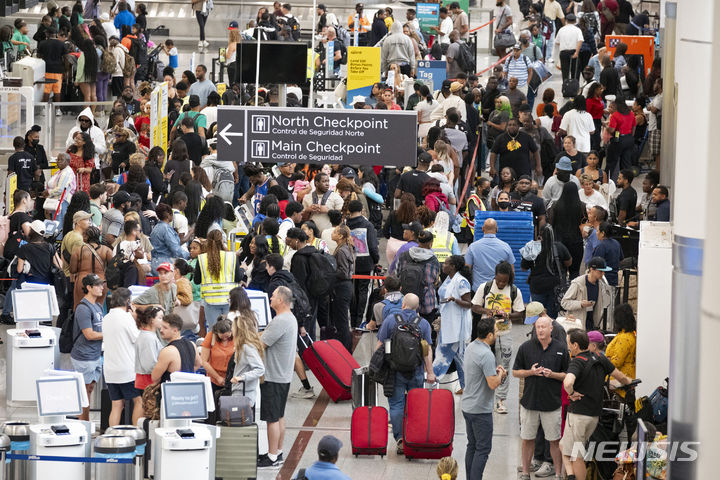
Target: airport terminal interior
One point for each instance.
(517, 152)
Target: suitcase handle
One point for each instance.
(303, 340)
(431, 386)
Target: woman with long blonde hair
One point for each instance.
(231, 54)
(249, 365)
(217, 272)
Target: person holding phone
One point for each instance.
(589, 295)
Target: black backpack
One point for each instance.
(412, 277)
(405, 346)
(466, 58)
(67, 339)
(513, 292)
(138, 50)
(294, 27)
(323, 268)
(115, 270)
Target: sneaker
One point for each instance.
(304, 393)
(206, 43)
(400, 447)
(280, 460)
(58, 112)
(201, 44)
(265, 462)
(545, 470)
(500, 407)
(534, 466)
(524, 476)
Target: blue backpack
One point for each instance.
(391, 308)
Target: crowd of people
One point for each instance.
(202, 229)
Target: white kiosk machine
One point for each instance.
(31, 347)
(183, 449)
(58, 396)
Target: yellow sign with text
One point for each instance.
(363, 69)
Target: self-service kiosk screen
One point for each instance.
(58, 396)
(32, 305)
(260, 304)
(184, 400)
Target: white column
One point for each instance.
(693, 69)
(708, 386)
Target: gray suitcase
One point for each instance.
(362, 389)
(236, 453)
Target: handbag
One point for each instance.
(503, 39)
(190, 315)
(607, 12)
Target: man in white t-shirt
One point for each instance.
(502, 300)
(445, 27)
(568, 41)
(119, 336)
(578, 123)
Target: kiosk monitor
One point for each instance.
(184, 400)
(59, 396)
(32, 305)
(260, 304)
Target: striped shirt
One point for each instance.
(518, 68)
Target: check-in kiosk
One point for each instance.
(31, 348)
(181, 448)
(56, 436)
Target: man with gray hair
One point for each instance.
(279, 338)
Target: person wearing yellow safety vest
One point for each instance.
(444, 242)
(217, 272)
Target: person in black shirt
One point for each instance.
(583, 383)
(576, 157)
(33, 147)
(515, 149)
(609, 77)
(35, 258)
(524, 200)
(196, 145)
(52, 51)
(542, 362)
(626, 201)
(121, 150)
(286, 175)
(23, 165)
(413, 181)
(491, 92)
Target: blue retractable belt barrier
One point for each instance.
(516, 229)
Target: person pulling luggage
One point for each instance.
(402, 334)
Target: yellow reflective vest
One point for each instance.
(215, 291)
(442, 246)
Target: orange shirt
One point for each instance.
(219, 355)
(540, 109)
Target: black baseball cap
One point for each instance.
(598, 263)
(415, 227)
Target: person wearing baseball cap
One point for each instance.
(410, 236)
(35, 258)
(554, 185)
(325, 468)
(233, 25)
(589, 295)
(412, 181)
(86, 354)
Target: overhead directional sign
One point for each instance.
(303, 135)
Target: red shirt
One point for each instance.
(622, 123)
(595, 108)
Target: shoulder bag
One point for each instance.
(505, 38)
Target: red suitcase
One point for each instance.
(429, 423)
(369, 431)
(332, 365)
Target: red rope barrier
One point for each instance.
(481, 26)
(368, 277)
(494, 64)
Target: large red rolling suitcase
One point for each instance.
(429, 423)
(332, 365)
(369, 431)
(369, 424)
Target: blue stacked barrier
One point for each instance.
(516, 229)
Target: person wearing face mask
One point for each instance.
(554, 185)
(503, 202)
(33, 147)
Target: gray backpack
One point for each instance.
(224, 184)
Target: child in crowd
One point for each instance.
(171, 51)
(447, 468)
